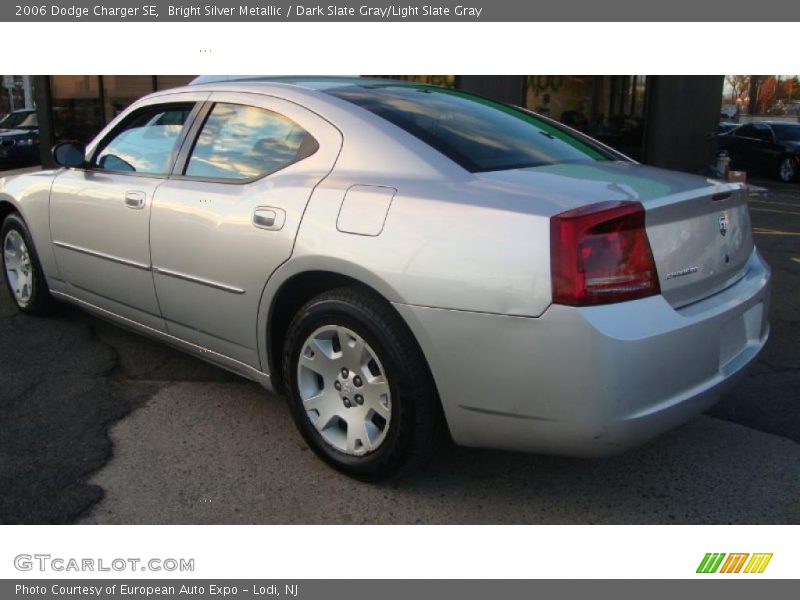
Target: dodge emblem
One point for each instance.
(723, 224)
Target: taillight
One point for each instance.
(600, 254)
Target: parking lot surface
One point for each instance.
(100, 425)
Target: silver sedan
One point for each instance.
(404, 262)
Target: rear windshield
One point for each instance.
(478, 134)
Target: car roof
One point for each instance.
(317, 82)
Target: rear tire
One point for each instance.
(358, 387)
(22, 270)
(787, 171)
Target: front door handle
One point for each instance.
(135, 199)
(269, 217)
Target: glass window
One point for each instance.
(787, 132)
(244, 142)
(565, 98)
(29, 122)
(763, 133)
(166, 82)
(448, 81)
(146, 143)
(20, 118)
(120, 91)
(618, 113)
(77, 110)
(17, 93)
(748, 131)
(478, 134)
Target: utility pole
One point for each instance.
(27, 90)
(8, 83)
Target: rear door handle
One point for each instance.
(269, 217)
(135, 199)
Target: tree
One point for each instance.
(755, 84)
(767, 93)
(790, 88)
(739, 86)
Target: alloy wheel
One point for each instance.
(788, 169)
(18, 267)
(344, 390)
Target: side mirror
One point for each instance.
(69, 154)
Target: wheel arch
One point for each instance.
(297, 289)
(7, 207)
(28, 195)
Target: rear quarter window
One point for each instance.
(239, 142)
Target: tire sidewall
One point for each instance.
(339, 312)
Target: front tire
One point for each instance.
(22, 270)
(359, 389)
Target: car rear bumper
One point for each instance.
(590, 381)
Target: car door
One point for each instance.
(763, 148)
(773, 151)
(228, 216)
(100, 215)
(740, 146)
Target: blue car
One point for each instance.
(19, 139)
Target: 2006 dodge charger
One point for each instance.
(402, 261)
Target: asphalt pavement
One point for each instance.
(100, 425)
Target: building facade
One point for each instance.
(667, 121)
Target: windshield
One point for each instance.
(476, 133)
(19, 119)
(787, 133)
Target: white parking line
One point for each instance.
(775, 203)
(765, 231)
(775, 210)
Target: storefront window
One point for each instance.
(166, 82)
(620, 112)
(16, 93)
(120, 91)
(608, 107)
(77, 107)
(448, 81)
(564, 98)
(83, 104)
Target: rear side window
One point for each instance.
(240, 142)
(146, 143)
(787, 133)
(763, 133)
(747, 131)
(478, 134)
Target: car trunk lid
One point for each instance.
(698, 228)
(701, 242)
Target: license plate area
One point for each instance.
(736, 333)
